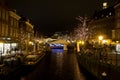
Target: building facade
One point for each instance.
(4, 21)
(16, 33)
(26, 35)
(103, 23)
(8, 30)
(117, 22)
(13, 25)
(107, 23)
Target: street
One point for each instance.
(58, 65)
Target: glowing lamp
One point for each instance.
(100, 37)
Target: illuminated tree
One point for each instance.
(83, 31)
(22, 38)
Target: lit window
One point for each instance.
(110, 13)
(107, 16)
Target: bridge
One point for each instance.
(59, 43)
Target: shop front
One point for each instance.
(7, 46)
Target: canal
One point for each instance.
(57, 65)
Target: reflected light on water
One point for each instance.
(57, 50)
(59, 62)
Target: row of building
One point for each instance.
(16, 32)
(106, 23)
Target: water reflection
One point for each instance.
(59, 65)
(57, 50)
(59, 62)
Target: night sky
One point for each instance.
(50, 16)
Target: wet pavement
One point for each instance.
(58, 65)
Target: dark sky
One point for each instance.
(50, 16)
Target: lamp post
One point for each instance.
(100, 40)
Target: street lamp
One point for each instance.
(100, 40)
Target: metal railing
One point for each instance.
(97, 63)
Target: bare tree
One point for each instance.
(83, 31)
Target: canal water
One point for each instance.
(57, 65)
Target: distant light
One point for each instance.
(8, 38)
(110, 13)
(104, 5)
(104, 41)
(31, 43)
(14, 44)
(68, 41)
(107, 16)
(82, 42)
(100, 37)
(117, 41)
(1, 43)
